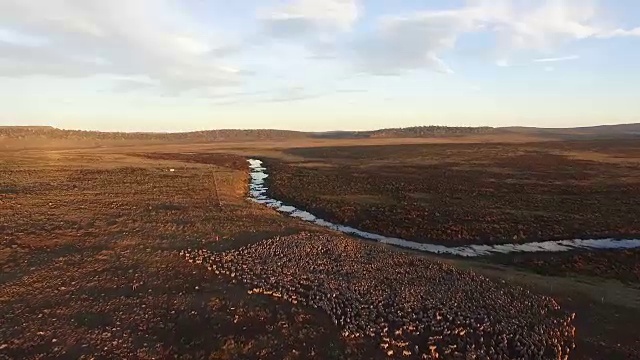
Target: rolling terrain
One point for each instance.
(145, 246)
(47, 137)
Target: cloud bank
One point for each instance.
(153, 43)
(166, 45)
(422, 39)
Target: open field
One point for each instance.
(456, 194)
(91, 243)
(90, 265)
(622, 265)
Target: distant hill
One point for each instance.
(622, 130)
(45, 132)
(51, 133)
(36, 137)
(408, 132)
(430, 131)
(341, 135)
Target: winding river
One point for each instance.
(258, 193)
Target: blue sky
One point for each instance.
(177, 65)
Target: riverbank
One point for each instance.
(468, 194)
(259, 192)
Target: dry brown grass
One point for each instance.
(457, 194)
(89, 265)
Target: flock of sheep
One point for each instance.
(413, 306)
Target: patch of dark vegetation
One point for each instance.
(623, 265)
(430, 131)
(604, 330)
(223, 160)
(92, 320)
(620, 147)
(169, 207)
(8, 190)
(386, 152)
(457, 194)
(47, 132)
(408, 132)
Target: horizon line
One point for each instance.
(320, 132)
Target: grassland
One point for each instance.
(456, 194)
(90, 240)
(477, 193)
(90, 265)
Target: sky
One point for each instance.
(181, 65)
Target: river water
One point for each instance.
(258, 193)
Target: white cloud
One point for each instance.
(503, 63)
(539, 25)
(411, 42)
(17, 38)
(620, 33)
(557, 59)
(422, 40)
(165, 45)
(156, 39)
(301, 17)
